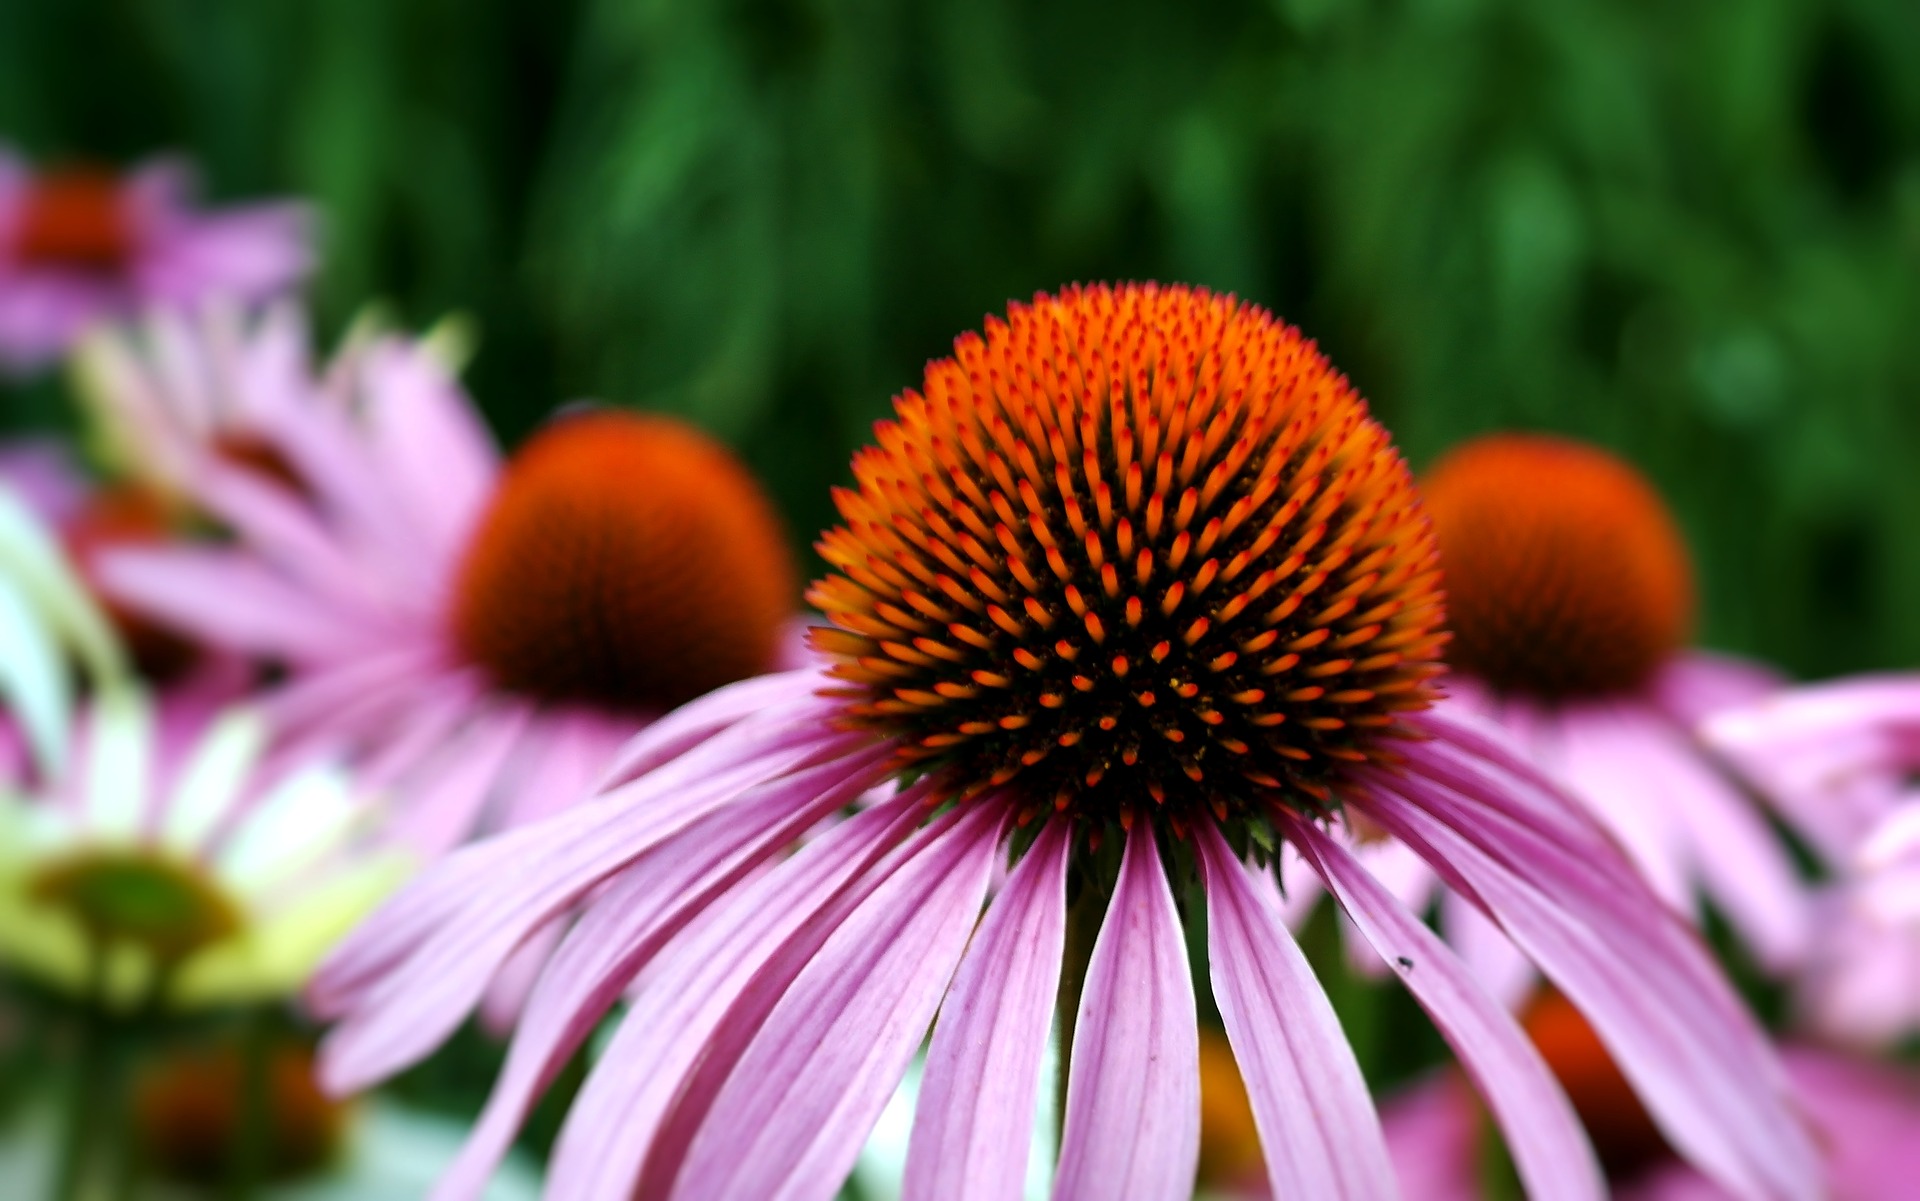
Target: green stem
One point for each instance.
(249, 1151)
(91, 1087)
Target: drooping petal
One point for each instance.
(1133, 1092)
(790, 1119)
(977, 1097)
(231, 601)
(618, 934)
(116, 788)
(1317, 1123)
(1548, 1145)
(212, 778)
(1604, 763)
(724, 975)
(496, 893)
(1742, 864)
(1507, 839)
(705, 776)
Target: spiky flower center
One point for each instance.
(1624, 1135)
(190, 1112)
(626, 561)
(1136, 546)
(75, 219)
(139, 898)
(1565, 574)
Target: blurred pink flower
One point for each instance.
(369, 510)
(783, 950)
(80, 245)
(1840, 757)
(1569, 591)
(1862, 985)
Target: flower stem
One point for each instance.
(249, 1151)
(91, 1087)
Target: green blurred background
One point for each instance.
(1689, 229)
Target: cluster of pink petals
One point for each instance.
(165, 393)
(775, 997)
(181, 256)
(1638, 764)
(1840, 758)
(1865, 1117)
(344, 580)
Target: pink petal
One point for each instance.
(1504, 837)
(1742, 864)
(621, 930)
(1605, 764)
(321, 698)
(971, 1130)
(284, 532)
(1317, 1122)
(430, 438)
(502, 890)
(1133, 1092)
(732, 761)
(791, 1117)
(444, 802)
(1549, 1147)
(1433, 1131)
(722, 978)
(229, 601)
(1507, 975)
(694, 723)
(1697, 684)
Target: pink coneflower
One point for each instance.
(1866, 1119)
(477, 636)
(79, 245)
(1133, 590)
(1570, 594)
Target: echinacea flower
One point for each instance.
(80, 245)
(47, 623)
(1133, 589)
(1570, 595)
(167, 869)
(477, 637)
(1865, 1116)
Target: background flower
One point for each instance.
(166, 868)
(80, 245)
(477, 636)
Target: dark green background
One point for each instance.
(1687, 228)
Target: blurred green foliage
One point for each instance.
(1689, 230)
